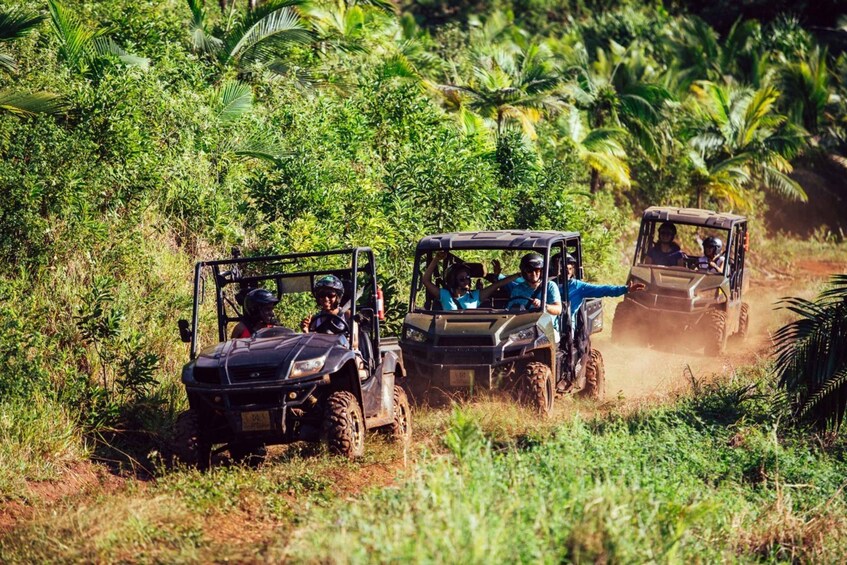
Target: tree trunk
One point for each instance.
(251, 5)
(222, 4)
(595, 181)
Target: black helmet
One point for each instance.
(257, 298)
(532, 261)
(328, 282)
(668, 226)
(569, 260)
(712, 241)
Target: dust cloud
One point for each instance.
(652, 373)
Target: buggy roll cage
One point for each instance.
(546, 243)
(224, 277)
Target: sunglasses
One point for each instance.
(464, 278)
(322, 295)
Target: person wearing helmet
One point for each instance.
(579, 290)
(526, 294)
(666, 251)
(711, 261)
(330, 318)
(458, 295)
(258, 313)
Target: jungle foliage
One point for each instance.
(139, 137)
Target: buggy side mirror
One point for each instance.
(365, 315)
(184, 330)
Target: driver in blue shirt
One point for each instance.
(526, 294)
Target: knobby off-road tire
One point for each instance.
(624, 330)
(714, 333)
(187, 444)
(535, 388)
(400, 429)
(344, 425)
(595, 377)
(250, 454)
(743, 321)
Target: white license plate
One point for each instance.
(255, 421)
(461, 377)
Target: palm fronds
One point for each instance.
(28, 104)
(811, 355)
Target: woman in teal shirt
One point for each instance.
(458, 294)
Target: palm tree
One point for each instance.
(811, 355)
(16, 23)
(737, 134)
(697, 54)
(805, 89)
(601, 149)
(256, 39)
(617, 91)
(81, 47)
(507, 86)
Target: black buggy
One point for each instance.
(530, 354)
(279, 386)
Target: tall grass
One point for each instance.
(39, 440)
(700, 480)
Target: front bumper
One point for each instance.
(459, 368)
(251, 411)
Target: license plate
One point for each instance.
(461, 377)
(255, 421)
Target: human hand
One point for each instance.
(441, 255)
(304, 323)
(633, 286)
(496, 268)
(536, 303)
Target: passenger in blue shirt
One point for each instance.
(458, 294)
(579, 290)
(666, 251)
(527, 294)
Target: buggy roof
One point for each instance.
(503, 239)
(693, 216)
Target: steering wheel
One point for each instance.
(325, 323)
(690, 262)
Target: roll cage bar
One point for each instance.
(227, 272)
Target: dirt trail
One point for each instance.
(636, 373)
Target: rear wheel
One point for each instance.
(189, 448)
(624, 325)
(344, 426)
(743, 320)
(595, 377)
(535, 388)
(248, 453)
(400, 429)
(714, 333)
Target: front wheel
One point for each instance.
(187, 444)
(714, 333)
(743, 320)
(595, 378)
(344, 426)
(535, 388)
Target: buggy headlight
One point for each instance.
(710, 294)
(522, 335)
(307, 367)
(416, 335)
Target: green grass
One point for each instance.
(39, 440)
(712, 478)
(716, 476)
